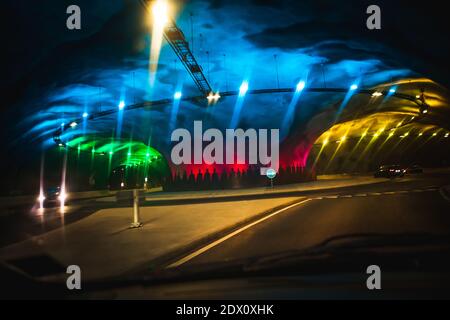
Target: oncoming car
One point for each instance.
(52, 197)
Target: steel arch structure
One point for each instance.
(420, 102)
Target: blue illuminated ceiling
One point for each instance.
(234, 41)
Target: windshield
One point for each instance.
(151, 141)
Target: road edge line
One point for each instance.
(230, 235)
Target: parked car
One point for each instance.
(390, 171)
(414, 169)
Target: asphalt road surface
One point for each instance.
(412, 204)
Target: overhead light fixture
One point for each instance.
(213, 97)
(300, 86)
(177, 95)
(243, 88)
(160, 13)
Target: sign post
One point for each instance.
(271, 174)
(136, 218)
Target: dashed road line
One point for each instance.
(428, 189)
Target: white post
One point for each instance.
(136, 223)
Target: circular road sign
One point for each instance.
(271, 173)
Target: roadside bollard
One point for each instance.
(136, 219)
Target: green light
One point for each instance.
(111, 152)
(129, 154)
(147, 155)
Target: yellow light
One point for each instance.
(406, 134)
(420, 134)
(376, 135)
(160, 13)
(434, 134)
(391, 134)
(325, 142)
(160, 19)
(446, 135)
(377, 94)
(213, 97)
(343, 138)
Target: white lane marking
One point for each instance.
(331, 197)
(219, 241)
(361, 195)
(375, 194)
(390, 192)
(347, 196)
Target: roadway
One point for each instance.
(413, 204)
(24, 221)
